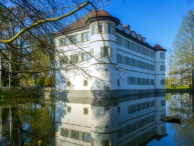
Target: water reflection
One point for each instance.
(109, 122)
(26, 121)
(182, 104)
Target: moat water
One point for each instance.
(124, 121)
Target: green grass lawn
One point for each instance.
(178, 87)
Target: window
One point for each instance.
(68, 109)
(140, 106)
(152, 54)
(124, 60)
(101, 28)
(85, 111)
(120, 133)
(74, 38)
(162, 68)
(118, 109)
(133, 46)
(85, 36)
(132, 81)
(126, 43)
(92, 30)
(86, 56)
(119, 58)
(118, 40)
(162, 82)
(74, 134)
(63, 60)
(68, 83)
(131, 109)
(85, 82)
(162, 103)
(87, 137)
(106, 143)
(74, 58)
(64, 132)
(106, 87)
(163, 129)
(152, 81)
(106, 51)
(118, 82)
(109, 28)
(162, 55)
(133, 62)
(63, 42)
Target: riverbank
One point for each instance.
(18, 92)
(179, 90)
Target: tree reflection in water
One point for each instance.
(183, 104)
(27, 122)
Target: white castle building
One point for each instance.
(97, 52)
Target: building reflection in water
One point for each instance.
(109, 122)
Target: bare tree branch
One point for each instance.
(43, 21)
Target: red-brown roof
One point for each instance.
(103, 13)
(81, 23)
(159, 48)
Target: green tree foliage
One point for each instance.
(27, 126)
(27, 37)
(183, 54)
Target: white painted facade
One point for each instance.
(111, 57)
(101, 122)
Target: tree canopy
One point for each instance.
(183, 53)
(27, 36)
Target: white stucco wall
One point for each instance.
(104, 72)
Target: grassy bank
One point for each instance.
(18, 92)
(178, 87)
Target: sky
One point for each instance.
(157, 20)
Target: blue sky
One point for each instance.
(157, 20)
